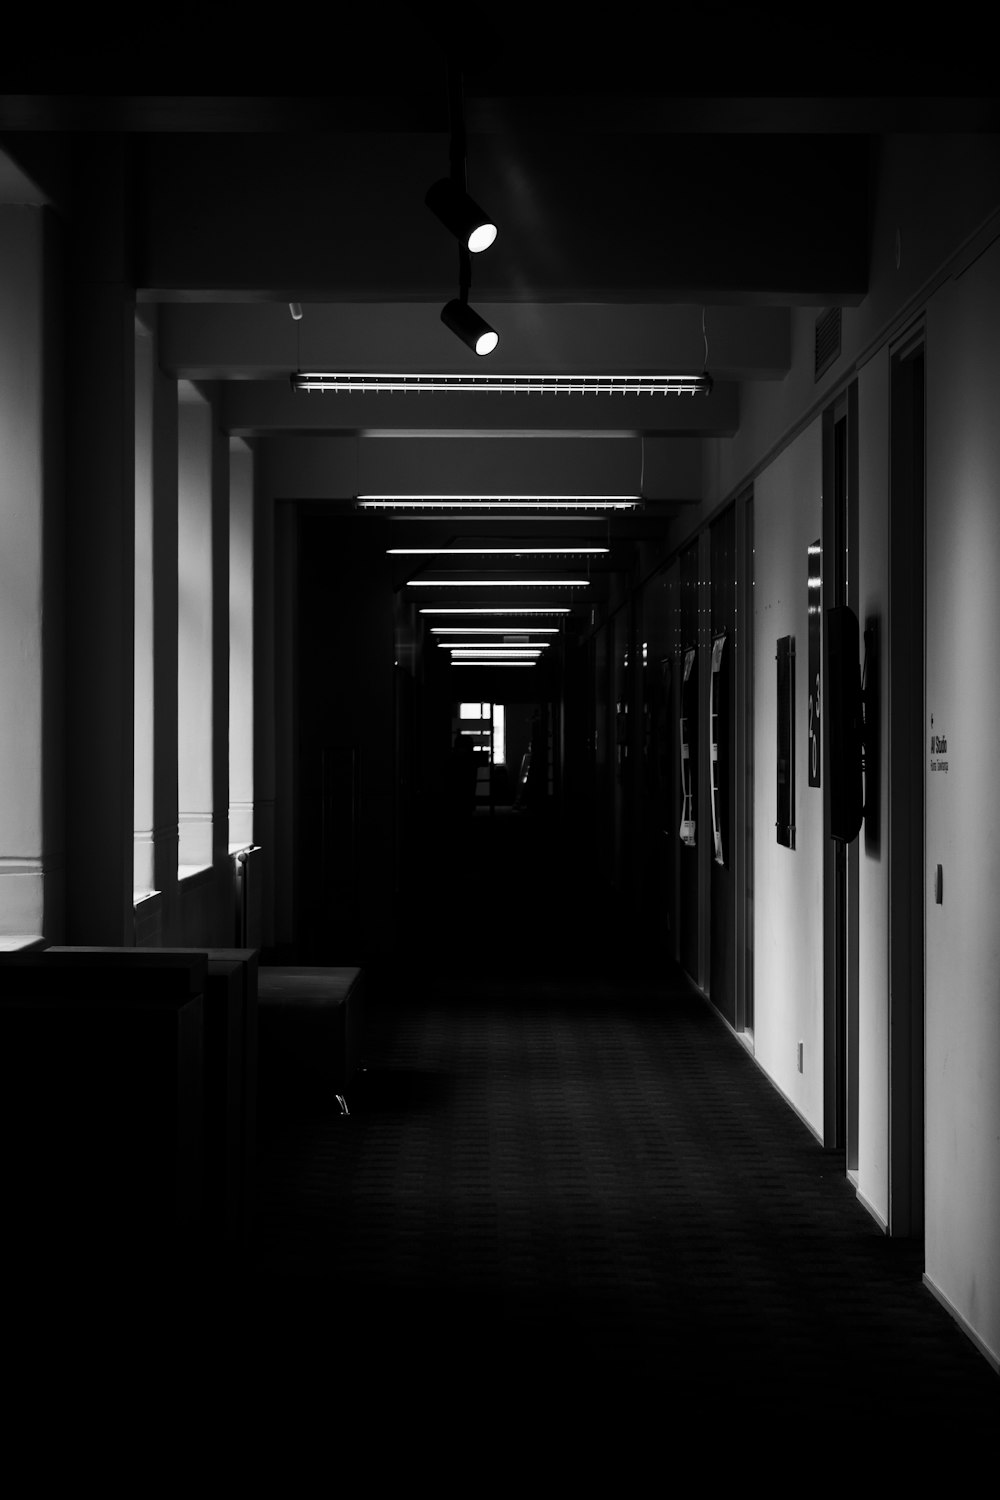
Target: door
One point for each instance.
(906, 790)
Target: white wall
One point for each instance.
(21, 569)
(941, 198)
(143, 726)
(963, 818)
(872, 1175)
(241, 635)
(788, 883)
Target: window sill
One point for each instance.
(191, 874)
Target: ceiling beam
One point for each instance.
(665, 470)
(260, 341)
(619, 218)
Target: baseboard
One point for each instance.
(990, 1357)
(870, 1209)
(748, 1048)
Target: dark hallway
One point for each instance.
(675, 1133)
(559, 1164)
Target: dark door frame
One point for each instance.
(743, 801)
(840, 860)
(906, 865)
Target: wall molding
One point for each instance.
(984, 1349)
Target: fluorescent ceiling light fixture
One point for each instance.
(553, 551)
(462, 662)
(487, 653)
(499, 502)
(499, 385)
(500, 609)
(473, 330)
(469, 223)
(489, 629)
(498, 583)
(493, 645)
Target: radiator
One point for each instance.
(147, 919)
(247, 893)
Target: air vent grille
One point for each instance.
(827, 340)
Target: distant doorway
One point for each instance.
(506, 744)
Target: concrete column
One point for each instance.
(100, 551)
(31, 654)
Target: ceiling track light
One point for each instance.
(470, 224)
(473, 330)
(473, 228)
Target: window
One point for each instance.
(194, 630)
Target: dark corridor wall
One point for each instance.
(342, 696)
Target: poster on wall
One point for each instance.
(785, 821)
(717, 646)
(688, 686)
(815, 619)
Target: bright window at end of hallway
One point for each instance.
(499, 735)
(493, 719)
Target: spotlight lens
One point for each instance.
(487, 342)
(482, 237)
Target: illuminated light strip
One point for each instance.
(463, 662)
(499, 502)
(490, 630)
(494, 551)
(492, 645)
(497, 384)
(498, 583)
(494, 653)
(500, 609)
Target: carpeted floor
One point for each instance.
(561, 1170)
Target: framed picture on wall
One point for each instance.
(785, 822)
(815, 626)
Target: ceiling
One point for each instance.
(657, 213)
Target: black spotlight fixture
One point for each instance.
(470, 224)
(473, 330)
(473, 228)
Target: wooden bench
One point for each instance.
(311, 1026)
